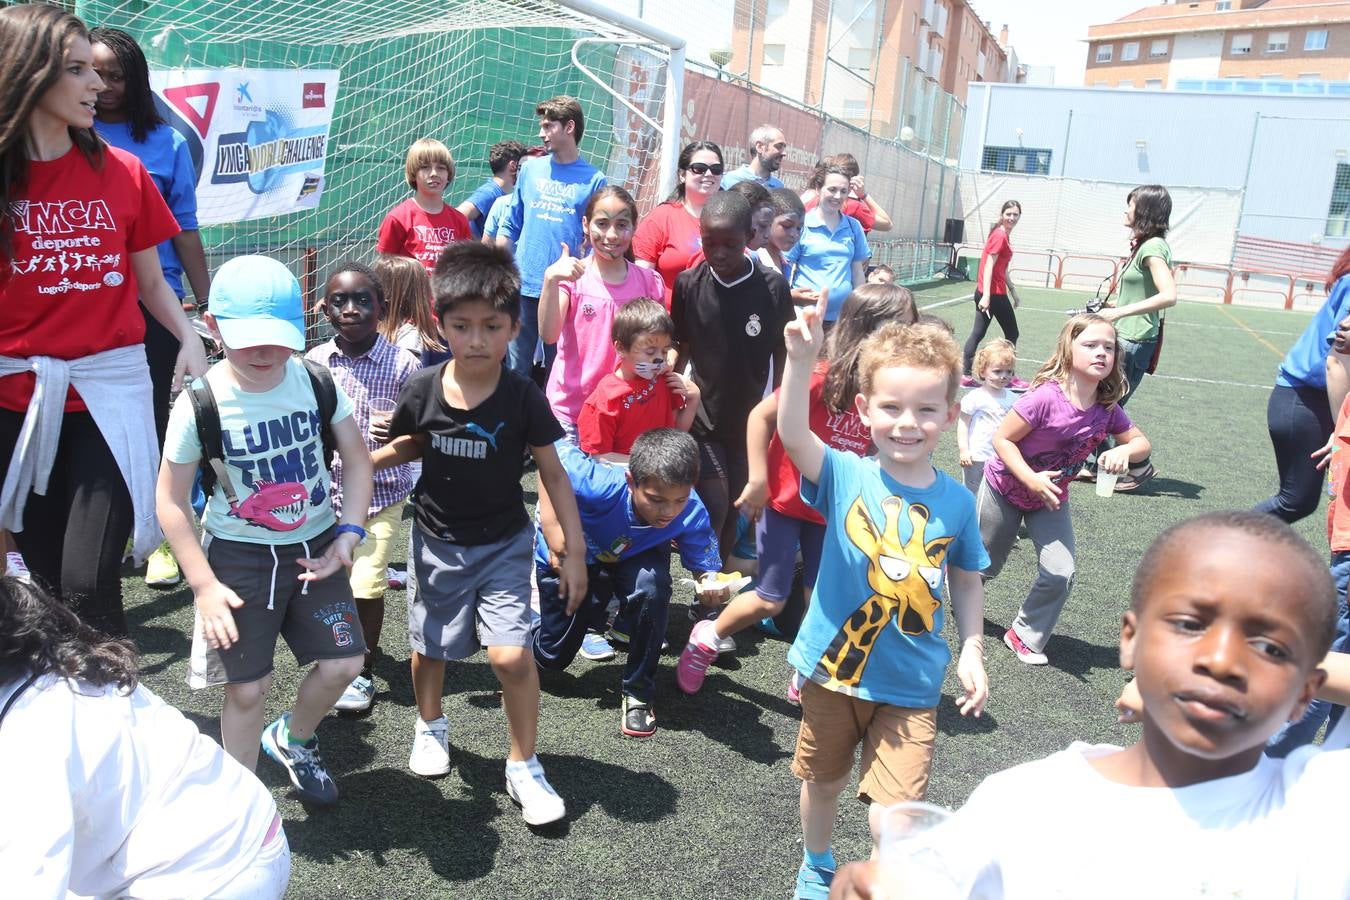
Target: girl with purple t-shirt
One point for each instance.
(580, 297)
(1074, 403)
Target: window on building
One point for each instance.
(1022, 160)
(1158, 48)
(1104, 53)
(855, 110)
(914, 24)
(775, 54)
(1241, 45)
(1223, 5)
(1338, 216)
(1277, 42)
(1310, 76)
(1153, 84)
(1129, 51)
(860, 59)
(1315, 40)
(775, 9)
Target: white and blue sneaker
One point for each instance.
(358, 696)
(595, 647)
(301, 761)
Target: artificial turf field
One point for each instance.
(708, 807)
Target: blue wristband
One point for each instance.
(352, 529)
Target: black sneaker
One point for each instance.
(301, 762)
(1133, 479)
(637, 719)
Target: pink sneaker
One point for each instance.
(794, 690)
(697, 655)
(1024, 653)
(969, 381)
(1017, 385)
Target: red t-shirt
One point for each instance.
(69, 289)
(670, 240)
(409, 230)
(1338, 510)
(852, 207)
(997, 243)
(618, 411)
(842, 431)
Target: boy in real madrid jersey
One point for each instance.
(729, 314)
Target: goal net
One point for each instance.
(467, 72)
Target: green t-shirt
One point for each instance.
(1136, 284)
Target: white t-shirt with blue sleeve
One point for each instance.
(274, 453)
(887, 549)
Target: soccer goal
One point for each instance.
(381, 74)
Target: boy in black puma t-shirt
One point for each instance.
(470, 420)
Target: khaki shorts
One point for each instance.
(897, 744)
(370, 563)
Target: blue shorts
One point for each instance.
(777, 537)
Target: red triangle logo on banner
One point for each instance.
(181, 98)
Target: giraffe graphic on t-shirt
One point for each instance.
(904, 576)
(475, 428)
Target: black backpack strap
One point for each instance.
(207, 416)
(325, 393)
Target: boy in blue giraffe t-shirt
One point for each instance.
(871, 647)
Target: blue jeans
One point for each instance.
(1302, 732)
(1135, 357)
(520, 356)
(1300, 420)
(642, 585)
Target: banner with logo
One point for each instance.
(259, 137)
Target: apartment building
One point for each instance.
(1159, 46)
(857, 58)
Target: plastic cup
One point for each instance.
(1106, 482)
(381, 410)
(910, 865)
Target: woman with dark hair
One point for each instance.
(79, 223)
(832, 254)
(1310, 387)
(993, 288)
(125, 798)
(127, 119)
(668, 240)
(1145, 288)
(860, 204)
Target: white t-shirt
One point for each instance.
(274, 452)
(986, 411)
(112, 795)
(1055, 829)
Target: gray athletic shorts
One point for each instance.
(458, 587)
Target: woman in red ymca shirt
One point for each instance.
(79, 223)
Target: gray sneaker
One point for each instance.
(358, 696)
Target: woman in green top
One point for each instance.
(1146, 287)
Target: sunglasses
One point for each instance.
(705, 168)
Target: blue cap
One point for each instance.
(256, 301)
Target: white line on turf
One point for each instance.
(1059, 312)
(1241, 384)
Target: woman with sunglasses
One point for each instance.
(668, 239)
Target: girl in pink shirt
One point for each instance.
(580, 297)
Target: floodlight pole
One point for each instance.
(674, 98)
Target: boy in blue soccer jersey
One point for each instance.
(871, 648)
(629, 517)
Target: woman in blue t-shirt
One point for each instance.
(1309, 389)
(832, 254)
(126, 117)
